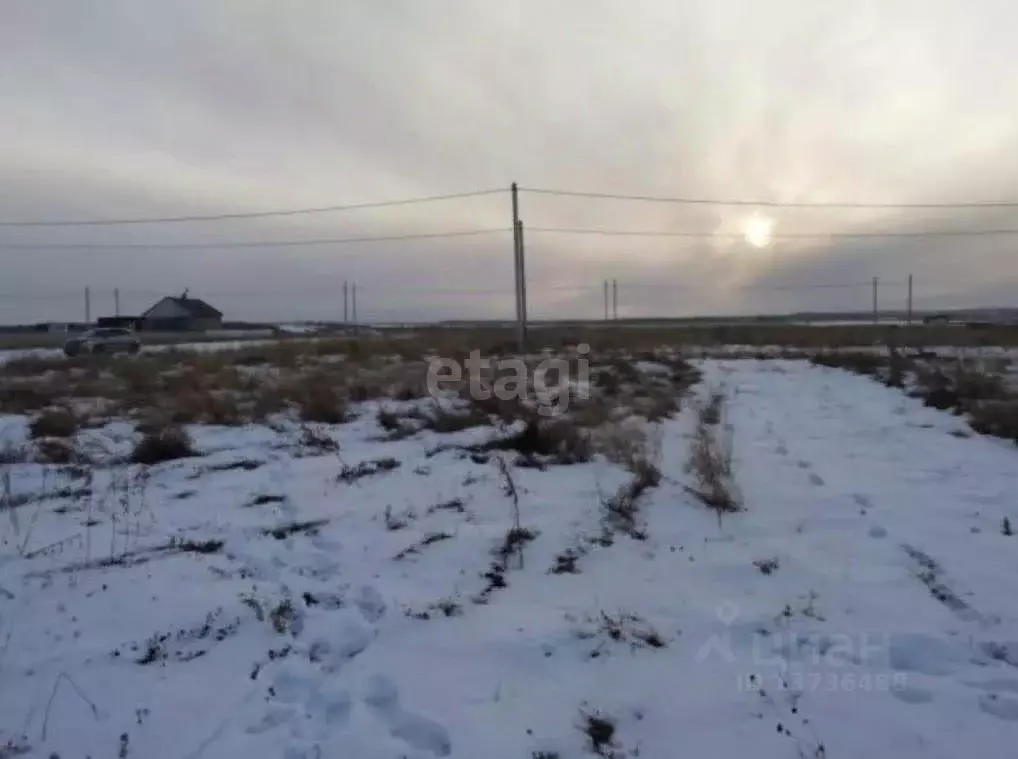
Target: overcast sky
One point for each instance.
(134, 108)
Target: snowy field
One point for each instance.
(212, 346)
(278, 600)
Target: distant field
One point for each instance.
(16, 340)
(598, 335)
(606, 336)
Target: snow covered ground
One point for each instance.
(255, 603)
(211, 346)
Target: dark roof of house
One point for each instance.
(196, 307)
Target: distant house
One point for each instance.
(181, 314)
(117, 322)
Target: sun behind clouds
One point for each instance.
(758, 230)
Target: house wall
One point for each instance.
(180, 324)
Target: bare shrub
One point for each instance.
(444, 420)
(316, 441)
(628, 443)
(54, 422)
(935, 388)
(628, 628)
(710, 462)
(394, 523)
(447, 607)
(767, 566)
(322, 400)
(658, 404)
(388, 419)
(622, 510)
(558, 441)
(868, 364)
(370, 468)
(974, 385)
(166, 444)
(55, 450)
(600, 732)
(284, 618)
(711, 413)
(997, 418)
(23, 396)
(565, 562)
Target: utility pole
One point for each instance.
(909, 299)
(116, 301)
(88, 305)
(518, 269)
(346, 303)
(523, 280)
(876, 311)
(353, 298)
(615, 299)
(606, 300)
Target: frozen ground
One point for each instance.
(863, 605)
(199, 347)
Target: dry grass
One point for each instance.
(54, 422)
(997, 418)
(549, 441)
(639, 452)
(867, 364)
(166, 444)
(710, 461)
(322, 400)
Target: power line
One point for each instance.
(755, 286)
(474, 291)
(764, 203)
(249, 244)
(777, 236)
(250, 214)
(383, 290)
(233, 244)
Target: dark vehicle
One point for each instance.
(103, 340)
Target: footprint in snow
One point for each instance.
(911, 694)
(312, 712)
(815, 479)
(877, 532)
(324, 713)
(345, 640)
(999, 706)
(370, 603)
(417, 731)
(924, 655)
(326, 544)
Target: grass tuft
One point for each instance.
(167, 444)
(710, 461)
(54, 422)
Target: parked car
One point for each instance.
(103, 340)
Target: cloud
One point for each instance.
(127, 109)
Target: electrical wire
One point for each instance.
(777, 236)
(251, 214)
(250, 244)
(764, 203)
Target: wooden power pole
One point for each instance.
(521, 333)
